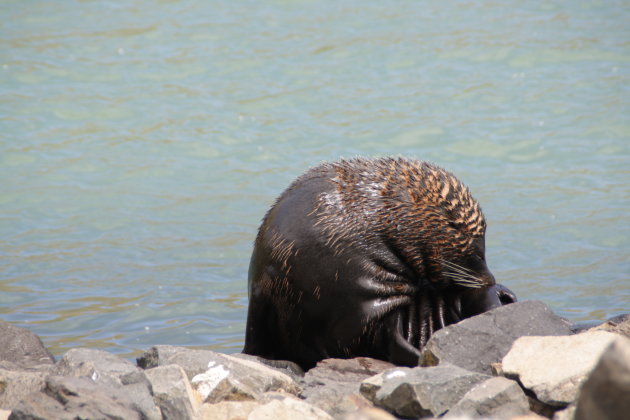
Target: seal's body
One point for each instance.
(367, 257)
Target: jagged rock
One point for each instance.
(553, 368)
(565, 414)
(606, 392)
(98, 365)
(285, 366)
(416, 392)
(496, 398)
(137, 386)
(69, 398)
(22, 347)
(476, 342)
(288, 409)
(229, 378)
(371, 413)
(192, 361)
(173, 393)
(619, 324)
(16, 383)
(333, 385)
(228, 410)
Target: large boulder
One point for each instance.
(417, 392)
(606, 392)
(333, 385)
(476, 342)
(553, 368)
(22, 347)
(70, 398)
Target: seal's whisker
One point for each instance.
(457, 267)
(464, 279)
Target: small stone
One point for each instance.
(606, 392)
(477, 342)
(172, 392)
(496, 397)
(22, 347)
(420, 391)
(553, 368)
(288, 409)
(496, 369)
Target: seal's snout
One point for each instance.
(477, 301)
(505, 295)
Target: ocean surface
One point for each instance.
(141, 143)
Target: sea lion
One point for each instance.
(367, 257)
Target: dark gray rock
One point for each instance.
(172, 392)
(417, 392)
(22, 347)
(98, 365)
(138, 387)
(476, 342)
(333, 385)
(16, 383)
(70, 398)
(606, 392)
(495, 398)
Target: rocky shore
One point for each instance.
(517, 361)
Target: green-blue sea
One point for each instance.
(141, 143)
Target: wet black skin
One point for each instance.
(319, 304)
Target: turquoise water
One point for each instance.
(141, 143)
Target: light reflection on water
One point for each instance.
(142, 143)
